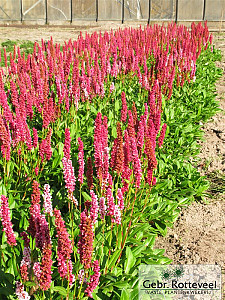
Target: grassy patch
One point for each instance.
(26, 47)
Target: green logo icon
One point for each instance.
(178, 272)
(168, 274)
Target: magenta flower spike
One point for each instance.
(94, 279)
(5, 136)
(110, 203)
(162, 135)
(68, 170)
(94, 207)
(20, 293)
(6, 221)
(120, 199)
(47, 200)
(66, 149)
(81, 161)
(136, 161)
(85, 243)
(69, 177)
(102, 207)
(64, 249)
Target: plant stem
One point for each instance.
(110, 241)
(123, 243)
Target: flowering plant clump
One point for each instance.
(100, 130)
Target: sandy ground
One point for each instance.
(198, 236)
(59, 34)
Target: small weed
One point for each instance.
(217, 182)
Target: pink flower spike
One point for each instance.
(35, 138)
(66, 149)
(64, 249)
(85, 243)
(120, 199)
(46, 264)
(68, 172)
(94, 207)
(112, 87)
(81, 161)
(47, 200)
(26, 257)
(37, 270)
(81, 276)
(102, 207)
(94, 279)
(162, 135)
(20, 293)
(136, 161)
(110, 203)
(25, 238)
(117, 215)
(6, 222)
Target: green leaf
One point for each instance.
(130, 260)
(30, 283)
(121, 284)
(117, 105)
(125, 295)
(72, 130)
(86, 196)
(56, 161)
(114, 132)
(5, 291)
(61, 146)
(114, 258)
(61, 290)
(111, 116)
(6, 277)
(3, 190)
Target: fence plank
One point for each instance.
(136, 10)
(110, 9)
(34, 10)
(10, 10)
(190, 9)
(59, 10)
(85, 10)
(215, 10)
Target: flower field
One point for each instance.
(98, 139)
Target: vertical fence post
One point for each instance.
(122, 11)
(46, 11)
(176, 15)
(71, 11)
(96, 10)
(149, 11)
(203, 14)
(21, 11)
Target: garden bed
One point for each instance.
(181, 99)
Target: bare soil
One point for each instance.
(60, 34)
(198, 236)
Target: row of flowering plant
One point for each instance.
(80, 131)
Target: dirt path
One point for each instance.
(198, 236)
(59, 34)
